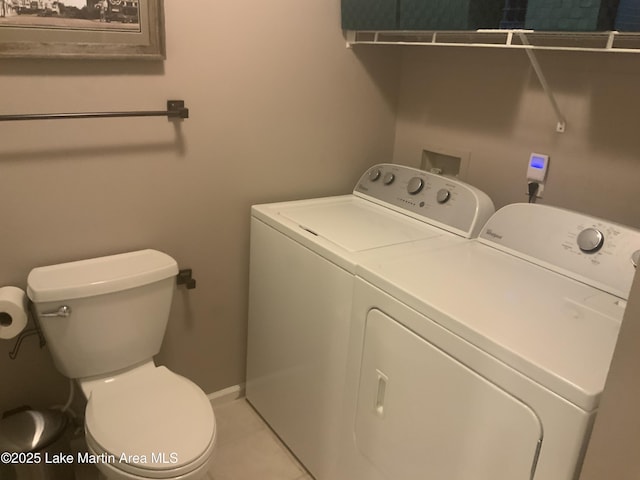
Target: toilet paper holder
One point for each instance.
(185, 277)
(13, 354)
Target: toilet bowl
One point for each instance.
(169, 424)
(104, 320)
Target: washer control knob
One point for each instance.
(635, 258)
(389, 178)
(416, 184)
(590, 240)
(443, 195)
(374, 174)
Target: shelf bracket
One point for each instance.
(350, 37)
(562, 122)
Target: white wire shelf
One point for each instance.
(612, 41)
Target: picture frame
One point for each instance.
(82, 29)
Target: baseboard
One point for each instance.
(226, 395)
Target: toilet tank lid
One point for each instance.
(97, 276)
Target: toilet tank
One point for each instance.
(119, 307)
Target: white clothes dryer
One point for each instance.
(302, 265)
(485, 360)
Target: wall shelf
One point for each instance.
(619, 42)
(527, 40)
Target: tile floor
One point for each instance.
(247, 449)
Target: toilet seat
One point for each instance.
(153, 423)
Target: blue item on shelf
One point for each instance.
(369, 14)
(628, 17)
(571, 15)
(450, 14)
(513, 14)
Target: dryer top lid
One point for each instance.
(555, 330)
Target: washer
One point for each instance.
(302, 271)
(485, 360)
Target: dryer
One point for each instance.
(485, 360)
(302, 269)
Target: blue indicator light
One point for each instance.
(537, 162)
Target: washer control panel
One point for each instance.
(441, 201)
(595, 251)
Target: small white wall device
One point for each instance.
(537, 171)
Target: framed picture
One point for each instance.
(84, 29)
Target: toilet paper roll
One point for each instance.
(13, 311)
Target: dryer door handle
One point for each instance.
(381, 392)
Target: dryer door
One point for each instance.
(422, 414)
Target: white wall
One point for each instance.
(279, 109)
(489, 102)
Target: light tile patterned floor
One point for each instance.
(247, 449)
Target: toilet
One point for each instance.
(104, 320)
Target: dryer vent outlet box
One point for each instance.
(445, 162)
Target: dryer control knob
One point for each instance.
(635, 258)
(590, 240)
(374, 174)
(443, 195)
(415, 185)
(389, 178)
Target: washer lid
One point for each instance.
(352, 223)
(155, 420)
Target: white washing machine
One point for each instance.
(302, 266)
(485, 360)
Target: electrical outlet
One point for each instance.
(538, 193)
(537, 171)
